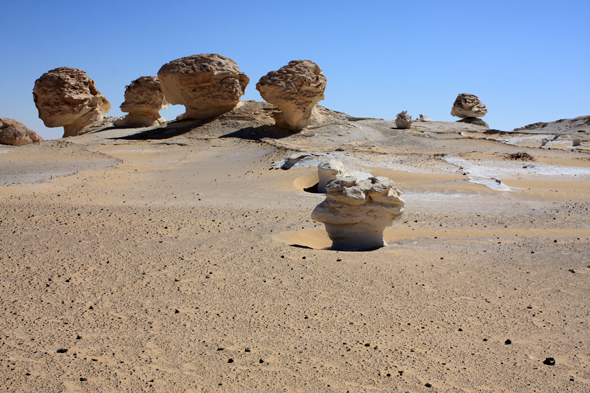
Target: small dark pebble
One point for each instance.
(261, 361)
(303, 258)
(388, 375)
(428, 384)
(572, 379)
(82, 379)
(367, 345)
(91, 308)
(62, 350)
(508, 342)
(401, 372)
(571, 270)
(338, 260)
(247, 350)
(230, 360)
(27, 374)
(460, 329)
(176, 311)
(78, 337)
(549, 361)
(220, 349)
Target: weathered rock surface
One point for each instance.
(468, 105)
(295, 89)
(143, 101)
(403, 120)
(474, 120)
(13, 132)
(67, 97)
(328, 170)
(208, 85)
(356, 212)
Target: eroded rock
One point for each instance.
(13, 132)
(468, 105)
(328, 170)
(356, 212)
(295, 89)
(67, 97)
(143, 101)
(208, 85)
(403, 120)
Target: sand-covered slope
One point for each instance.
(182, 258)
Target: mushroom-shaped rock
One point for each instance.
(208, 85)
(67, 97)
(143, 101)
(403, 120)
(328, 170)
(295, 89)
(356, 212)
(13, 132)
(468, 105)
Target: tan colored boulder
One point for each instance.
(295, 89)
(13, 132)
(356, 212)
(208, 85)
(67, 97)
(468, 105)
(143, 101)
(403, 120)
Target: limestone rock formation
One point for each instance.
(474, 120)
(356, 212)
(403, 120)
(143, 101)
(295, 89)
(68, 97)
(208, 85)
(468, 105)
(328, 170)
(13, 132)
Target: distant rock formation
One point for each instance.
(143, 101)
(208, 85)
(13, 132)
(295, 89)
(403, 120)
(469, 108)
(67, 97)
(356, 212)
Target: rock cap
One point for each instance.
(468, 105)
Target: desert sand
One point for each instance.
(183, 258)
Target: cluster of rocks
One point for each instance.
(208, 85)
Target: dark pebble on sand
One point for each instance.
(230, 360)
(82, 379)
(62, 350)
(428, 384)
(549, 361)
(508, 342)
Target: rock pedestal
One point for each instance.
(328, 170)
(469, 108)
(143, 101)
(208, 85)
(67, 97)
(356, 213)
(295, 89)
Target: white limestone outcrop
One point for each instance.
(467, 106)
(208, 84)
(328, 170)
(295, 89)
(403, 120)
(143, 101)
(67, 97)
(356, 212)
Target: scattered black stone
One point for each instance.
(176, 311)
(572, 379)
(78, 337)
(401, 372)
(367, 345)
(388, 375)
(82, 379)
(62, 350)
(571, 271)
(247, 350)
(508, 342)
(303, 258)
(230, 360)
(428, 384)
(91, 308)
(261, 361)
(220, 349)
(460, 329)
(338, 260)
(549, 361)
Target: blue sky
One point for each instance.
(528, 61)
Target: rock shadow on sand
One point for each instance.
(260, 132)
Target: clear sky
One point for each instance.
(527, 60)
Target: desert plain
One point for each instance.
(183, 258)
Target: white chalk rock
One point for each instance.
(328, 170)
(356, 212)
(468, 105)
(143, 101)
(403, 120)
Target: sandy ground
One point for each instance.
(180, 259)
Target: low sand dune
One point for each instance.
(177, 258)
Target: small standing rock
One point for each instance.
(403, 120)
